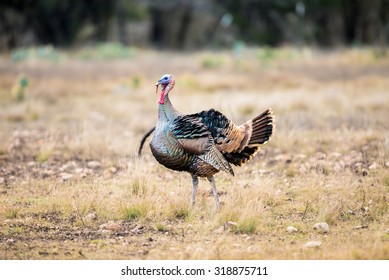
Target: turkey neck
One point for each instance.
(166, 111)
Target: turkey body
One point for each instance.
(186, 162)
(207, 142)
(169, 152)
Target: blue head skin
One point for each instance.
(164, 81)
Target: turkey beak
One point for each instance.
(156, 87)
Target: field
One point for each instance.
(72, 186)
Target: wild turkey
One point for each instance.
(206, 142)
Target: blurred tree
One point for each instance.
(185, 24)
(366, 21)
(51, 21)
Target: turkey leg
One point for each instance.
(195, 181)
(215, 194)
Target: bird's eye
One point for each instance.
(165, 78)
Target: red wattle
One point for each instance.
(162, 97)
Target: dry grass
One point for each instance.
(328, 161)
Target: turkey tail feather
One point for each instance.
(262, 128)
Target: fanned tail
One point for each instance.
(262, 128)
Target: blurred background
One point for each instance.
(188, 25)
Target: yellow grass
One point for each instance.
(327, 162)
